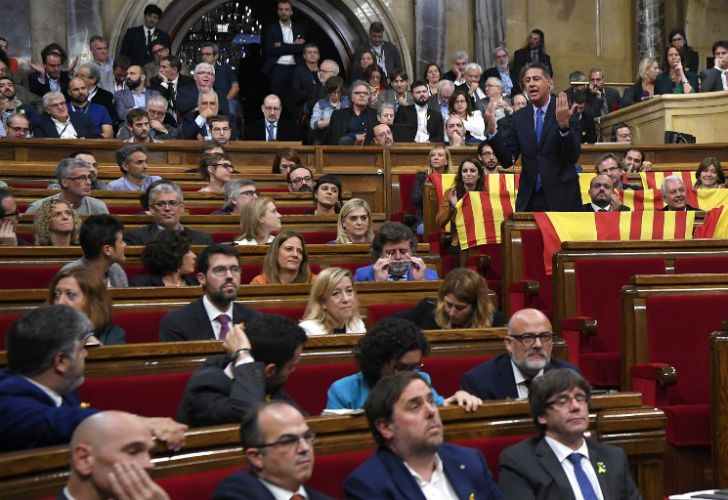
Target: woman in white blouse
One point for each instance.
(461, 106)
(332, 304)
(258, 220)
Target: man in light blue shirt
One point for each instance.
(132, 161)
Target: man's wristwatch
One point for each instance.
(234, 356)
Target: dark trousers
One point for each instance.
(281, 81)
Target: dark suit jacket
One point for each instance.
(494, 379)
(711, 80)
(614, 101)
(154, 280)
(493, 72)
(339, 124)
(84, 125)
(245, 486)
(187, 100)
(435, 125)
(124, 101)
(271, 53)
(589, 208)
(555, 158)
(106, 99)
(689, 208)
(155, 83)
(191, 323)
(530, 470)
(31, 419)
(392, 59)
(134, 45)
(522, 57)
(423, 315)
(212, 398)
(41, 89)
(141, 236)
(385, 477)
(306, 88)
(287, 130)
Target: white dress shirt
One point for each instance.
(422, 135)
(562, 452)
(521, 381)
(438, 487)
(65, 130)
(212, 314)
(287, 31)
(282, 494)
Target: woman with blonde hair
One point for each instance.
(286, 261)
(85, 291)
(438, 162)
(258, 219)
(56, 224)
(462, 302)
(332, 304)
(355, 223)
(644, 88)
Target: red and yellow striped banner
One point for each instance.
(653, 180)
(479, 217)
(715, 224)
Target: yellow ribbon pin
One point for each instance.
(601, 468)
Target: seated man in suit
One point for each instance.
(412, 460)
(471, 85)
(194, 124)
(603, 197)
(673, 194)
(258, 359)
(166, 203)
(278, 447)
(608, 164)
(75, 178)
(138, 40)
(394, 247)
(136, 95)
(273, 127)
(210, 318)
(46, 351)
(428, 121)
(714, 79)
(58, 123)
(90, 73)
(352, 125)
(529, 343)
(607, 97)
(157, 131)
(204, 79)
(560, 462)
(111, 444)
(169, 80)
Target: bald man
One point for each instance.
(602, 195)
(528, 344)
(111, 458)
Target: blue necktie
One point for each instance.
(271, 131)
(539, 132)
(584, 485)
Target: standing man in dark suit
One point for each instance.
(273, 127)
(138, 40)
(529, 343)
(603, 198)
(57, 122)
(533, 52)
(412, 459)
(545, 134)
(169, 81)
(49, 76)
(278, 446)
(561, 463)
(428, 121)
(716, 78)
(282, 49)
(212, 316)
(388, 57)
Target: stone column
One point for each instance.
(83, 21)
(650, 18)
(430, 32)
(15, 26)
(489, 30)
(47, 24)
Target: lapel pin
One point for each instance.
(462, 467)
(601, 468)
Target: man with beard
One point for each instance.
(10, 103)
(136, 95)
(533, 52)
(398, 95)
(300, 180)
(132, 161)
(139, 126)
(90, 73)
(258, 359)
(79, 103)
(138, 41)
(216, 314)
(428, 121)
(46, 352)
(529, 342)
(502, 71)
(487, 158)
(603, 198)
(412, 460)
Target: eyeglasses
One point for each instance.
(221, 271)
(290, 443)
(677, 39)
(226, 166)
(206, 73)
(272, 108)
(565, 399)
(404, 252)
(162, 204)
(82, 178)
(360, 93)
(154, 112)
(57, 105)
(219, 130)
(528, 339)
(249, 193)
(412, 367)
(24, 130)
(300, 180)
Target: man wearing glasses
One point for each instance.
(75, 178)
(9, 219)
(300, 180)
(259, 357)
(529, 343)
(58, 123)
(560, 462)
(278, 446)
(17, 126)
(160, 125)
(166, 205)
(238, 193)
(132, 161)
(216, 314)
(273, 127)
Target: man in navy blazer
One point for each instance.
(549, 180)
(137, 41)
(57, 122)
(560, 462)
(212, 316)
(529, 342)
(410, 115)
(406, 425)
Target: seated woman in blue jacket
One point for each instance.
(392, 345)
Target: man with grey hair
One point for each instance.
(158, 129)
(528, 344)
(91, 74)
(457, 71)
(58, 123)
(75, 177)
(441, 101)
(673, 194)
(166, 204)
(471, 85)
(454, 131)
(46, 353)
(352, 125)
(132, 161)
(136, 95)
(187, 96)
(103, 62)
(194, 124)
(17, 126)
(238, 193)
(502, 71)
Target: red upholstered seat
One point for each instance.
(533, 269)
(294, 313)
(380, 311)
(598, 282)
(294, 209)
(147, 395)
(125, 209)
(713, 264)
(309, 383)
(330, 471)
(406, 187)
(492, 447)
(134, 270)
(678, 329)
(30, 276)
(445, 372)
(198, 484)
(140, 326)
(6, 321)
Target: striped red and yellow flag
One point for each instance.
(480, 214)
(711, 198)
(653, 180)
(644, 200)
(556, 227)
(715, 224)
